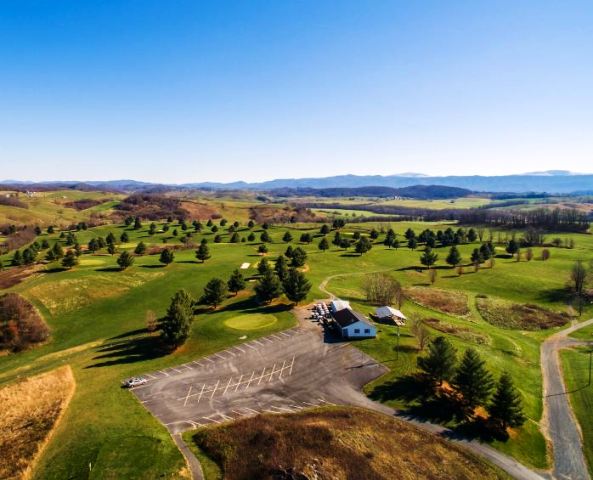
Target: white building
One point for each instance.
(336, 305)
(390, 313)
(353, 324)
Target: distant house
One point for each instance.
(337, 305)
(353, 324)
(390, 314)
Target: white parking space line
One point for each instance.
(250, 410)
(276, 337)
(225, 417)
(239, 383)
(240, 349)
(215, 388)
(272, 373)
(209, 359)
(164, 373)
(250, 380)
(250, 346)
(202, 392)
(267, 339)
(187, 396)
(176, 370)
(151, 376)
(197, 363)
(220, 356)
(285, 334)
(210, 419)
(262, 375)
(281, 370)
(229, 352)
(291, 365)
(259, 343)
(283, 409)
(187, 366)
(227, 386)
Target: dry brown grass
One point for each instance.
(12, 276)
(338, 444)
(506, 314)
(447, 301)
(31, 409)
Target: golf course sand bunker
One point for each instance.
(251, 321)
(30, 411)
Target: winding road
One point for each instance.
(559, 422)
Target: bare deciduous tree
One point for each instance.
(383, 289)
(421, 334)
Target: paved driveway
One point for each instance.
(283, 372)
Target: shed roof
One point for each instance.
(337, 305)
(384, 312)
(348, 316)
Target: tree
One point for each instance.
(69, 260)
(111, 248)
(281, 267)
(473, 380)
(506, 407)
(125, 260)
(152, 228)
(167, 257)
(306, 238)
(140, 249)
(324, 230)
(363, 245)
(529, 254)
(299, 257)
(374, 234)
(263, 266)
(250, 224)
(29, 256)
(439, 364)
(287, 237)
(251, 237)
(432, 276)
(454, 257)
(323, 244)
(296, 286)
(236, 282)
(265, 237)
(137, 223)
(176, 324)
(124, 238)
(578, 277)
(268, 287)
(421, 333)
(472, 236)
(545, 254)
(337, 241)
(428, 258)
(92, 246)
(389, 238)
(262, 249)
(214, 292)
(203, 252)
(476, 257)
(151, 321)
(412, 243)
(512, 247)
(383, 289)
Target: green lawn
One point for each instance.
(94, 306)
(575, 363)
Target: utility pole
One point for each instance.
(590, 363)
(397, 350)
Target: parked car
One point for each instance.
(134, 382)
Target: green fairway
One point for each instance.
(97, 318)
(575, 364)
(252, 321)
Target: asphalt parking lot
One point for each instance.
(284, 372)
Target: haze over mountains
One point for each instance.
(553, 181)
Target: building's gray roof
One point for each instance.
(347, 317)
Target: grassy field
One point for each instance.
(95, 308)
(575, 364)
(333, 442)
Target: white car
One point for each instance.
(134, 382)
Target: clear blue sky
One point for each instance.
(181, 91)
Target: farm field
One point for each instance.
(575, 364)
(97, 318)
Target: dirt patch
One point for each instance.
(502, 313)
(83, 203)
(337, 444)
(446, 301)
(199, 210)
(460, 332)
(14, 275)
(31, 409)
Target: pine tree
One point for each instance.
(289, 251)
(323, 244)
(412, 243)
(324, 230)
(110, 239)
(299, 257)
(263, 266)
(473, 380)
(506, 407)
(337, 241)
(166, 257)
(287, 237)
(363, 245)
(306, 238)
(268, 287)
(439, 364)
(251, 237)
(140, 249)
(214, 292)
(124, 237)
(454, 257)
(125, 260)
(265, 237)
(428, 258)
(137, 223)
(69, 260)
(262, 249)
(281, 267)
(235, 238)
(177, 322)
(17, 259)
(111, 248)
(296, 286)
(512, 247)
(29, 256)
(92, 246)
(236, 282)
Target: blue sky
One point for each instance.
(183, 91)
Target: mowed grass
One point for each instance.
(575, 365)
(332, 442)
(31, 409)
(97, 328)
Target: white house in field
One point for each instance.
(353, 324)
(391, 314)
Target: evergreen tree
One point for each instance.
(323, 244)
(263, 266)
(250, 224)
(287, 237)
(69, 260)
(218, 239)
(111, 248)
(296, 286)
(77, 250)
(409, 234)
(281, 267)
(44, 244)
(50, 229)
(203, 252)
(512, 246)
(306, 238)
(137, 223)
(124, 237)
(472, 236)
(29, 256)
(337, 241)
(17, 259)
(57, 250)
(265, 237)
(214, 292)
(298, 258)
(268, 287)
(235, 238)
(428, 257)
(506, 407)
(363, 245)
(125, 260)
(473, 380)
(439, 364)
(236, 282)
(92, 246)
(176, 324)
(140, 249)
(477, 257)
(389, 238)
(128, 221)
(166, 257)
(324, 230)
(152, 228)
(412, 243)
(263, 249)
(289, 251)
(454, 257)
(110, 239)
(374, 234)
(251, 237)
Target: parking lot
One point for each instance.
(284, 372)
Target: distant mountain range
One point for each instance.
(554, 181)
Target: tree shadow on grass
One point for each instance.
(131, 350)
(554, 295)
(131, 333)
(108, 269)
(152, 266)
(55, 270)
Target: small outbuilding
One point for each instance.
(336, 305)
(353, 324)
(386, 314)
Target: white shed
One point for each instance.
(337, 305)
(390, 313)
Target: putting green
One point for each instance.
(250, 321)
(91, 261)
